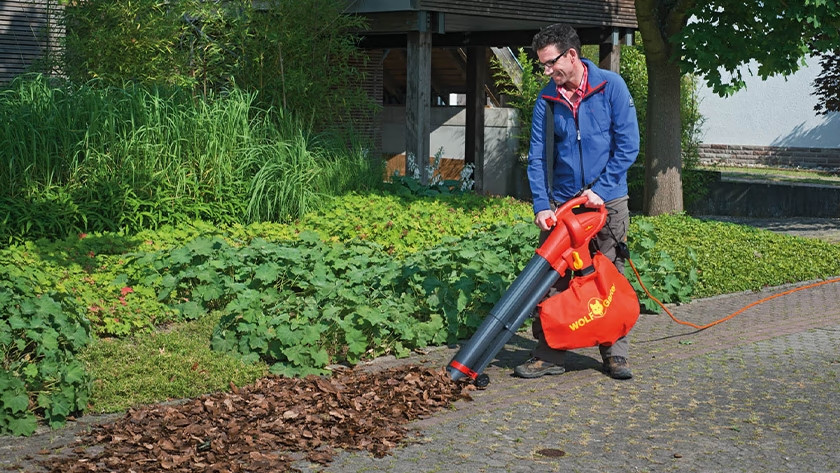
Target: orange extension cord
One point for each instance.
(704, 327)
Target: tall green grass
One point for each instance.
(90, 158)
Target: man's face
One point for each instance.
(557, 64)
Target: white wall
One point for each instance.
(775, 112)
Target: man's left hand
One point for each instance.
(593, 199)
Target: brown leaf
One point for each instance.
(354, 409)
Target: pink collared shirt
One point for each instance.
(574, 98)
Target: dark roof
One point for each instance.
(488, 23)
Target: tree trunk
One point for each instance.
(663, 153)
(658, 21)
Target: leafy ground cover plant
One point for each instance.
(302, 304)
(732, 258)
(407, 224)
(658, 274)
(40, 336)
(277, 294)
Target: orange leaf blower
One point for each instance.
(599, 307)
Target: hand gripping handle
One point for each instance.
(566, 207)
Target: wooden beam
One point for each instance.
(476, 101)
(514, 38)
(489, 83)
(509, 63)
(609, 53)
(418, 104)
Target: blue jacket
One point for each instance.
(597, 149)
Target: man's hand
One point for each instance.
(593, 199)
(541, 219)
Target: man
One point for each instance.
(596, 139)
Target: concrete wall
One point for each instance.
(768, 200)
(502, 174)
(778, 112)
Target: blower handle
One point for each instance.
(568, 205)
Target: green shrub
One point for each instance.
(522, 95)
(40, 336)
(274, 47)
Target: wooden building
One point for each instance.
(28, 31)
(424, 50)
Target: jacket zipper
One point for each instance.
(591, 92)
(580, 154)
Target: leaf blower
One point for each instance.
(598, 308)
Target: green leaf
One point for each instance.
(320, 357)
(15, 402)
(356, 340)
(190, 310)
(267, 273)
(462, 301)
(30, 370)
(16, 322)
(44, 400)
(24, 426)
(75, 373)
(61, 406)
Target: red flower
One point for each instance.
(126, 290)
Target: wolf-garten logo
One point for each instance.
(597, 309)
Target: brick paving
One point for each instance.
(760, 392)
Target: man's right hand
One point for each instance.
(542, 218)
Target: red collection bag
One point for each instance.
(596, 309)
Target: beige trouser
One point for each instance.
(614, 231)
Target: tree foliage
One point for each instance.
(827, 84)
(635, 74)
(724, 37)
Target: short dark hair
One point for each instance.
(560, 35)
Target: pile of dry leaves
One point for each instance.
(268, 425)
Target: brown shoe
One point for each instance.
(617, 368)
(535, 367)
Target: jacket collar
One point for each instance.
(596, 79)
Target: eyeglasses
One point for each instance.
(550, 63)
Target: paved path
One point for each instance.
(760, 392)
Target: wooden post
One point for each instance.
(476, 101)
(610, 53)
(418, 102)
